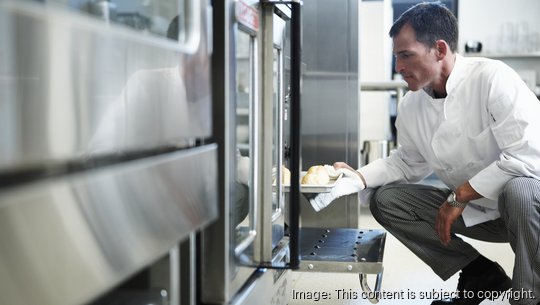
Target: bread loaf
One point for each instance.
(285, 176)
(316, 175)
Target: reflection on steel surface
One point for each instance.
(68, 239)
(66, 77)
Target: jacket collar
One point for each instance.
(458, 74)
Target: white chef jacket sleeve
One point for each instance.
(513, 111)
(404, 165)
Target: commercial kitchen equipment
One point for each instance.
(247, 257)
(142, 153)
(101, 131)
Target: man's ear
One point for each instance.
(442, 49)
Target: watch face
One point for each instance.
(452, 200)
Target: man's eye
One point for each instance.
(403, 56)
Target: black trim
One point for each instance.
(296, 77)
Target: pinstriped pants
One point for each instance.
(408, 212)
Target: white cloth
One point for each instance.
(485, 131)
(348, 184)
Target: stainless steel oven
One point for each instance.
(143, 147)
(107, 160)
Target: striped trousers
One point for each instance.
(408, 212)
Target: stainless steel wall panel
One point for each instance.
(330, 108)
(65, 240)
(330, 83)
(75, 86)
(7, 83)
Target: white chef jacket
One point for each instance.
(486, 131)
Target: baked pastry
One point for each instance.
(316, 175)
(285, 176)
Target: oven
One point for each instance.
(143, 151)
(107, 163)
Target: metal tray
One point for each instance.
(314, 188)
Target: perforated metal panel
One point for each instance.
(342, 250)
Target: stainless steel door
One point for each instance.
(106, 153)
(272, 164)
(239, 246)
(236, 103)
(245, 207)
(68, 239)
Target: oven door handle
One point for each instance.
(295, 123)
(293, 243)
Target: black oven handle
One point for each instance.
(295, 125)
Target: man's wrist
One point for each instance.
(454, 202)
(362, 178)
(466, 193)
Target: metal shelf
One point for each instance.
(383, 86)
(396, 86)
(505, 55)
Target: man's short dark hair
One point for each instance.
(430, 21)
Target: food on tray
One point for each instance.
(285, 176)
(317, 175)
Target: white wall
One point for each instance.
(483, 20)
(488, 21)
(375, 65)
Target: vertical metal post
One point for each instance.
(296, 77)
(174, 270)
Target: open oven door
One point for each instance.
(283, 242)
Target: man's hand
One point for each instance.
(338, 165)
(351, 182)
(446, 217)
(448, 214)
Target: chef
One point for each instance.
(474, 123)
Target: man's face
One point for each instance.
(414, 61)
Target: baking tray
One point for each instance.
(314, 188)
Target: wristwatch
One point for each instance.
(453, 202)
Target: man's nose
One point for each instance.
(399, 66)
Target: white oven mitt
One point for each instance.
(348, 184)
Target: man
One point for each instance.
(474, 123)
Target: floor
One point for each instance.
(406, 279)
